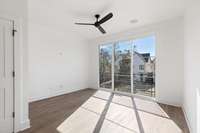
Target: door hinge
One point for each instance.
(13, 32)
(13, 73)
(13, 114)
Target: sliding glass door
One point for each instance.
(128, 66)
(122, 66)
(105, 66)
(144, 66)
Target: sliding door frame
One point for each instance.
(131, 72)
(113, 67)
(132, 85)
(112, 86)
(17, 62)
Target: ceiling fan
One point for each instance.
(98, 22)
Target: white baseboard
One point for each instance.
(168, 103)
(187, 120)
(33, 99)
(24, 125)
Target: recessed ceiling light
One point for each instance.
(133, 21)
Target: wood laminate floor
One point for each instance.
(90, 111)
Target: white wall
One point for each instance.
(192, 63)
(169, 53)
(17, 10)
(58, 61)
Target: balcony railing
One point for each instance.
(143, 83)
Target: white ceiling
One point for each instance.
(64, 13)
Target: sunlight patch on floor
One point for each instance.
(150, 107)
(124, 115)
(95, 104)
(155, 124)
(102, 94)
(81, 121)
(110, 127)
(123, 100)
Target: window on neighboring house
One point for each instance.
(141, 67)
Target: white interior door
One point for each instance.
(6, 77)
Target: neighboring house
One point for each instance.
(122, 62)
(150, 67)
(143, 66)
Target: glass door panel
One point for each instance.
(105, 66)
(128, 66)
(122, 66)
(144, 66)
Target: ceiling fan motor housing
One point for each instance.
(97, 16)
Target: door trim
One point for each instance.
(198, 109)
(21, 120)
(13, 76)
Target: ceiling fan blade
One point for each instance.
(106, 18)
(101, 29)
(84, 24)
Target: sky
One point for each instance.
(141, 45)
(145, 45)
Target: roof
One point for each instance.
(144, 56)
